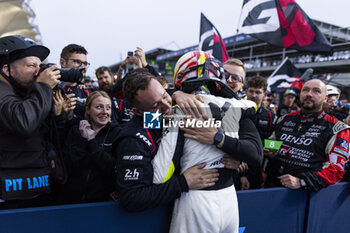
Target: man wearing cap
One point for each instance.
(26, 100)
(289, 104)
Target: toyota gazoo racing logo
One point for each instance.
(284, 150)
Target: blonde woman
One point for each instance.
(87, 153)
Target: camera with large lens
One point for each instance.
(67, 74)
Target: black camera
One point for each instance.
(130, 54)
(67, 74)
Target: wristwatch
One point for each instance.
(303, 183)
(218, 136)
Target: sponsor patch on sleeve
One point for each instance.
(335, 158)
(341, 161)
(341, 151)
(339, 126)
(343, 144)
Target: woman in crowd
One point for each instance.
(87, 153)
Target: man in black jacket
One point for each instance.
(26, 102)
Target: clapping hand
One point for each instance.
(86, 131)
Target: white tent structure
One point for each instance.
(17, 18)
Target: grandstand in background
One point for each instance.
(17, 18)
(261, 58)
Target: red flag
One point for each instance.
(210, 40)
(284, 24)
(284, 77)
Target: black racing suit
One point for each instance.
(135, 149)
(264, 121)
(120, 109)
(339, 114)
(315, 149)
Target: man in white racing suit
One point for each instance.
(213, 209)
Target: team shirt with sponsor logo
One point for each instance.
(319, 144)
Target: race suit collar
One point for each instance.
(308, 117)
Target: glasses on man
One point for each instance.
(233, 77)
(80, 63)
(332, 102)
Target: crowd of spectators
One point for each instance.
(72, 142)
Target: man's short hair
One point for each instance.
(102, 69)
(138, 79)
(257, 82)
(72, 48)
(162, 80)
(235, 62)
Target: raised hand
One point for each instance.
(86, 131)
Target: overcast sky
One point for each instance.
(110, 28)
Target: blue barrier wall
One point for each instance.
(329, 210)
(106, 217)
(277, 210)
(272, 210)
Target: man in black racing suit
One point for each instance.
(315, 145)
(264, 121)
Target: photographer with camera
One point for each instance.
(74, 64)
(26, 107)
